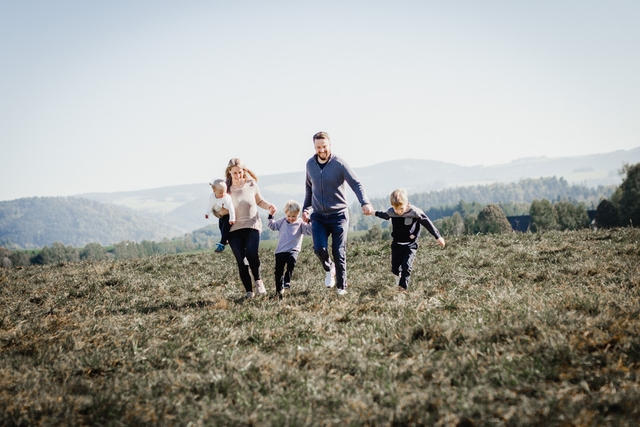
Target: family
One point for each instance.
(235, 201)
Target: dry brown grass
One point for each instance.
(496, 330)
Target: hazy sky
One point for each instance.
(126, 95)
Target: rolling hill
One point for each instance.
(183, 206)
(167, 212)
(35, 222)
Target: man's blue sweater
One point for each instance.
(325, 189)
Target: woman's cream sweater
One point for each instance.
(246, 200)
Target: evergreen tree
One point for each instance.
(607, 214)
(628, 196)
(93, 251)
(571, 216)
(492, 220)
(543, 216)
(470, 226)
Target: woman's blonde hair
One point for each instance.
(239, 163)
(292, 207)
(399, 197)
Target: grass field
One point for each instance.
(517, 330)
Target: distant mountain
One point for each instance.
(41, 221)
(183, 206)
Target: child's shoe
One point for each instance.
(260, 287)
(219, 247)
(249, 295)
(286, 286)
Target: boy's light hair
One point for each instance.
(292, 208)
(219, 184)
(399, 197)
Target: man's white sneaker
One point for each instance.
(341, 291)
(260, 287)
(397, 280)
(330, 278)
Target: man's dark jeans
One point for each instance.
(334, 225)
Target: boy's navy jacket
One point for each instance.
(406, 227)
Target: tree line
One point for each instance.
(567, 212)
(622, 209)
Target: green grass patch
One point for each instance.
(519, 330)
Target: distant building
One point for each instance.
(520, 222)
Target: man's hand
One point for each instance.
(305, 216)
(367, 209)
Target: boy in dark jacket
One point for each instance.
(406, 220)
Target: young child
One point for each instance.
(406, 220)
(221, 206)
(291, 230)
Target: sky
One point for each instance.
(129, 95)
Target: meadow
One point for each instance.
(503, 330)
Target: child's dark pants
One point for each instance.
(285, 260)
(402, 257)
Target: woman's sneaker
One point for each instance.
(260, 287)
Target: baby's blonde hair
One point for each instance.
(399, 197)
(292, 207)
(219, 184)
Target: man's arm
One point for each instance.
(358, 189)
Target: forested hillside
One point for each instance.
(525, 190)
(39, 221)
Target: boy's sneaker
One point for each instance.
(249, 295)
(397, 279)
(341, 291)
(260, 287)
(330, 277)
(219, 247)
(286, 286)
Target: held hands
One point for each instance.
(441, 242)
(367, 209)
(272, 209)
(305, 216)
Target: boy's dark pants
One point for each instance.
(223, 223)
(288, 260)
(402, 257)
